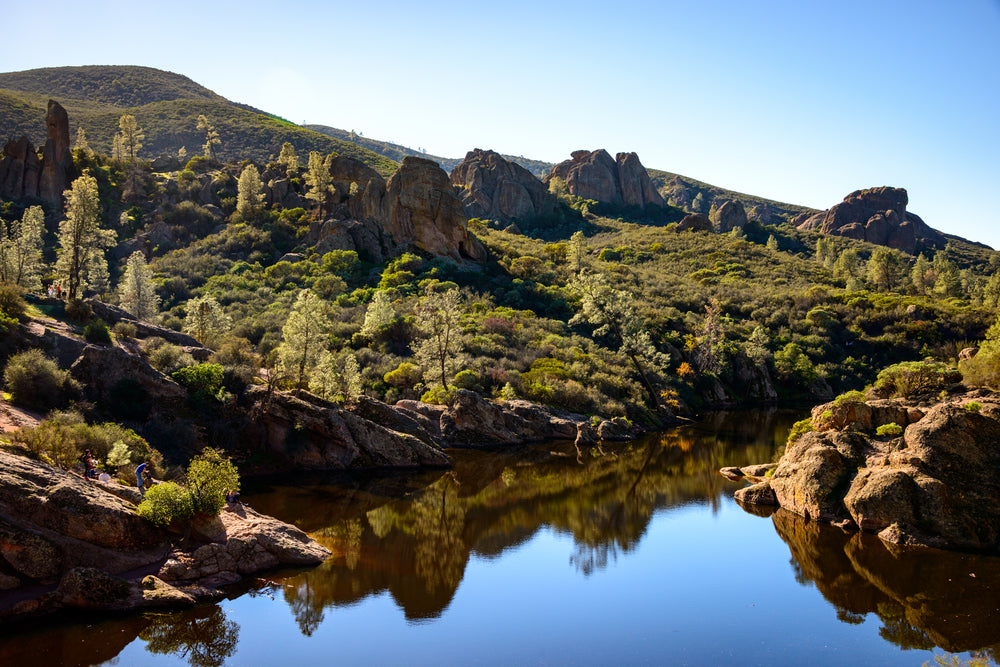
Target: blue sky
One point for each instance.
(800, 101)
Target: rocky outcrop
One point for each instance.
(305, 432)
(417, 207)
(24, 174)
(113, 314)
(57, 158)
(421, 208)
(494, 188)
(728, 217)
(595, 175)
(935, 485)
(57, 528)
(695, 222)
(876, 215)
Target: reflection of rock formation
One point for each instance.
(924, 597)
(416, 548)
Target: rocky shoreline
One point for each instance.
(927, 477)
(67, 543)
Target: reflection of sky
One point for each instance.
(699, 588)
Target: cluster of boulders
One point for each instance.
(621, 180)
(495, 188)
(875, 215)
(23, 175)
(929, 478)
(67, 542)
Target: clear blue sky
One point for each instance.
(799, 101)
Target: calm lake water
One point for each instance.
(626, 555)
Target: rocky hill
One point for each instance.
(397, 152)
(166, 106)
(875, 215)
(619, 181)
(495, 188)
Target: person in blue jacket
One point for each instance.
(138, 476)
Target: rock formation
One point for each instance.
(85, 536)
(728, 217)
(421, 208)
(24, 175)
(876, 215)
(595, 175)
(417, 207)
(496, 189)
(935, 485)
(695, 222)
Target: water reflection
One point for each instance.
(923, 597)
(413, 536)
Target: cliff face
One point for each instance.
(23, 174)
(621, 181)
(417, 207)
(876, 215)
(494, 188)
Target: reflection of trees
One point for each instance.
(923, 597)
(416, 546)
(203, 635)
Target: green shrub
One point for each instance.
(890, 429)
(911, 378)
(124, 330)
(36, 381)
(468, 380)
(201, 380)
(853, 396)
(12, 301)
(973, 406)
(165, 503)
(96, 332)
(799, 429)
(78, 311)
(437, 396)
(209, 477)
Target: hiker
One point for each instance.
(139, 472)
(233, 497)
(89, 464)
(58, 291)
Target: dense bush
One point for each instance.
(12, 301)
(36, 381)
(165, 503)
(911, 378)
(210, 476)
(201, 380)
(63, 437)
(96, 332)
(78, 311)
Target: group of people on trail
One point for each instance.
(55, 290)
(142, 473)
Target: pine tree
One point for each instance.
(380, 314)
(303, 338)
(212, 140)
(288, 158)
(206, 320)
(81, 143)
(613, 312)
(131, 137)
(80, 258)
(21, 249)
(137, 291)
(319, 181)
(250, 195)
(438, 317)
(578, 251)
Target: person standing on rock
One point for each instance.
(139, 472)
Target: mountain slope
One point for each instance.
(397, 152)
(166, 106)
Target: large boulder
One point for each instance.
(421, 208)
(620, 181)
(876, 215)
(936, 485)
(695, 222)
(494, 188)
(728, 217)
(365, 237)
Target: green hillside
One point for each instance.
(166, 106)
(397, 152)
(681, 191)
